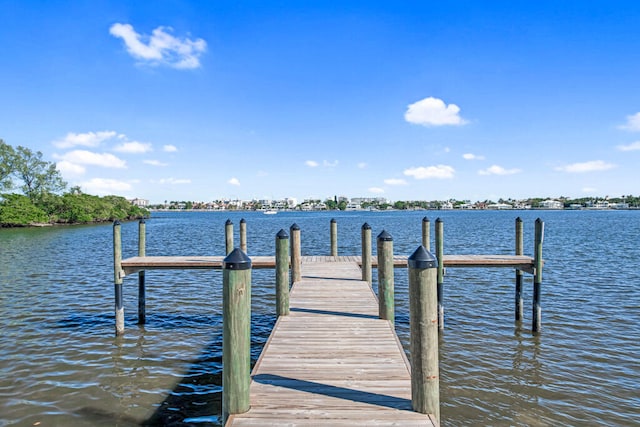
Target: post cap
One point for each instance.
(333, 220)
(425, 219)
(228, 222)
(385, 237)
(236, 260)
(366, 226)
(422, 259)
(282, 234)
(438, 220)
(116, 222)
(142, 221)
(242, 221)
(295, 226)
(518, 219)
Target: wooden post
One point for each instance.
(366, 253)
(142, 295)
(236, 333)
(536, 324)
(334, 237)
(423, 323)
(426, 233)
(296, 256)
(282, 273)
(440, 278)
(243, 235)
(519, 273)
(385, 277)
(117, 277)
(228, 235)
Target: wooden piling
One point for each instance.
(282, 273)
(366, 253)
(296, 255)
(386, 301)
(334, 237)
(243, 235)
(142, 295)
(519, 274)
(440, 276)
(426, 233)
(117, 277)
(536, 323)
(228, 236)
(423, 323)
(236, 334)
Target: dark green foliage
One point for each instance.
(18, 210)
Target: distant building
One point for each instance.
(143, 203)
(551, 204)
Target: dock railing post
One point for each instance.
(282, 273)
(423, 323)
(117, 277)
(142, 296)
(366, 253)
(536, 324)
(228, 236)
(296, 257)
(519, 273)
(334, 237)
(243, 235)
(236, 333)
(385, 277)
(440, 276)
(426, 233)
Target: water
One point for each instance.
(60, 363)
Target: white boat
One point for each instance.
(270, 212)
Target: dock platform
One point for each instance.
(332, 361)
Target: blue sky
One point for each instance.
(179, 100)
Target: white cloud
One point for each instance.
(433, 112)
(234, 181)
(633, 123)
(70, 169)
(161, 48)
(170, 148)
(329, 164)
(498, 170)
(634, 146)
(471, 156)
(133, 147)
(362, 165)
(89, 139)
(311, 163)
(439, 172)
(376, 190)
(104, 186)
(173, 181)
(154, 162)
(395, 181)
(84, 157)
(592, 166)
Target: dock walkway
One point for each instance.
(332, 361)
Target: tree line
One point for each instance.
(32, 192)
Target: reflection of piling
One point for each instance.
(334, 237)
(536, 324)
(236, 334)
(296, 257)
(117, 277)
(142, 295)
(440, 277)
(385, 277)
(366, 253)
(519, 273)
(282, 273)
(423, 322)
(243, 235)
(228, 236)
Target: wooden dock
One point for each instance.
(332, 361)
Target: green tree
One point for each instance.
(16, 209)
(7, 162)
(37, 176)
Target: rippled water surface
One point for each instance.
(60, 363)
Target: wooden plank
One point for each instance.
(332, 361)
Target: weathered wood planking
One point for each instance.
(332, 361)
(135, 264)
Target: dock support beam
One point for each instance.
(236, 333)
(386, 303)
(282, 273)
(519, 274)
(366, 253)
(142, 296)
(536, 323)
(426, 233)
(440, 266)
(423, 323)
(243, 235)
(228, 236)
(117, 277)
(334, 237)
(296, 256)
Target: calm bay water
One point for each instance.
(60, 363)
